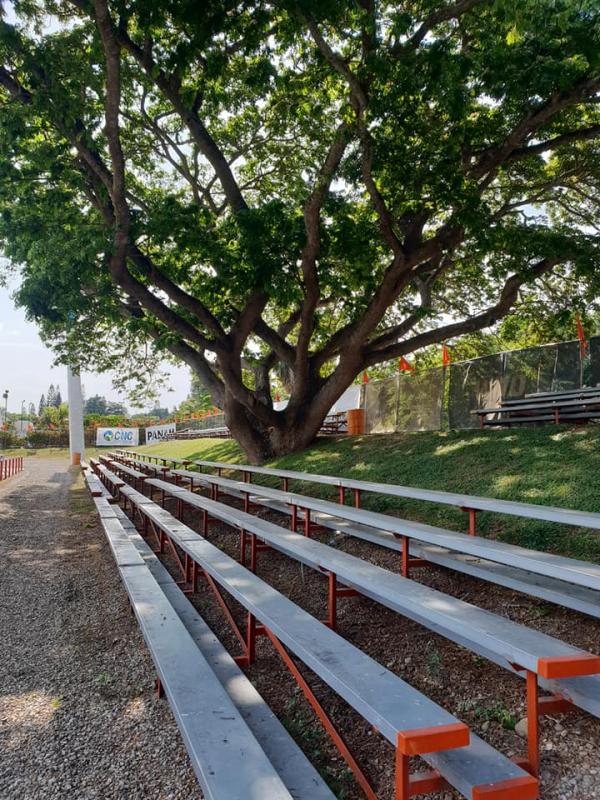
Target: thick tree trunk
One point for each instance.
(261, 443)
(297, 426)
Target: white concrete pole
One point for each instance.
(76, 440)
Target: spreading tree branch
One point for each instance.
(484, 319)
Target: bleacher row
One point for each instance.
(411, 722)
(572, 405)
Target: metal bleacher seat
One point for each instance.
(237, 747)
(411, 722)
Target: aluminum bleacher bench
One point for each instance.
(468, 503)
(566, 394)
(300, 778)
(154, 470)
(578, 597)
(552, 407)
(135, 475)
(213, 729)
(565, 581)
(584, 390)
(204, 433)
(94, 484)
(121, 455)
(411, 722)
(529, 653)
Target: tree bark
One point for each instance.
(261, 442)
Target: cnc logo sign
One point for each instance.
(128, 437)
(158, 433)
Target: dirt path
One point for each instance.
(78, 716)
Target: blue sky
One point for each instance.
(26, 364)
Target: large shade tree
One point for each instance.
(295, 188)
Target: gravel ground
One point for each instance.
(78, 715)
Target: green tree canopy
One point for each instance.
(303, 188)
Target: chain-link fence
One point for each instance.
(405, 403)
(427, 401)
(485, 382)
(213, 421)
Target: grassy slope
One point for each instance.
(547, 465)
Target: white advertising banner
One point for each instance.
(156, 433)
(124, 437)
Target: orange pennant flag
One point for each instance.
(583, 345)
(404, 365)
(445, 355)
(365, 377)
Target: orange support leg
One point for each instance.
(402, 776)
(405, 557)
(243, 544)
(335, 736)
(472, 520)
(332, 601)
(533, 724)
(307, 522)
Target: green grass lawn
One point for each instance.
(548, 465)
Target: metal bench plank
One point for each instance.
(569, 595)
(479, 764)
(298, 774)
(583, 391)
(386, 701)
(496, 637)
(584, 519)
(216, 737)
(571, 570)
(300, 777)
(124, 553)
(548, 403)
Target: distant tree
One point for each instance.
(115, 408)
(198, 400)
(51, 396)
(56, 416)
(161, 413)
(57, 397)
(98, 404)
(42, 405)
(95, 405)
